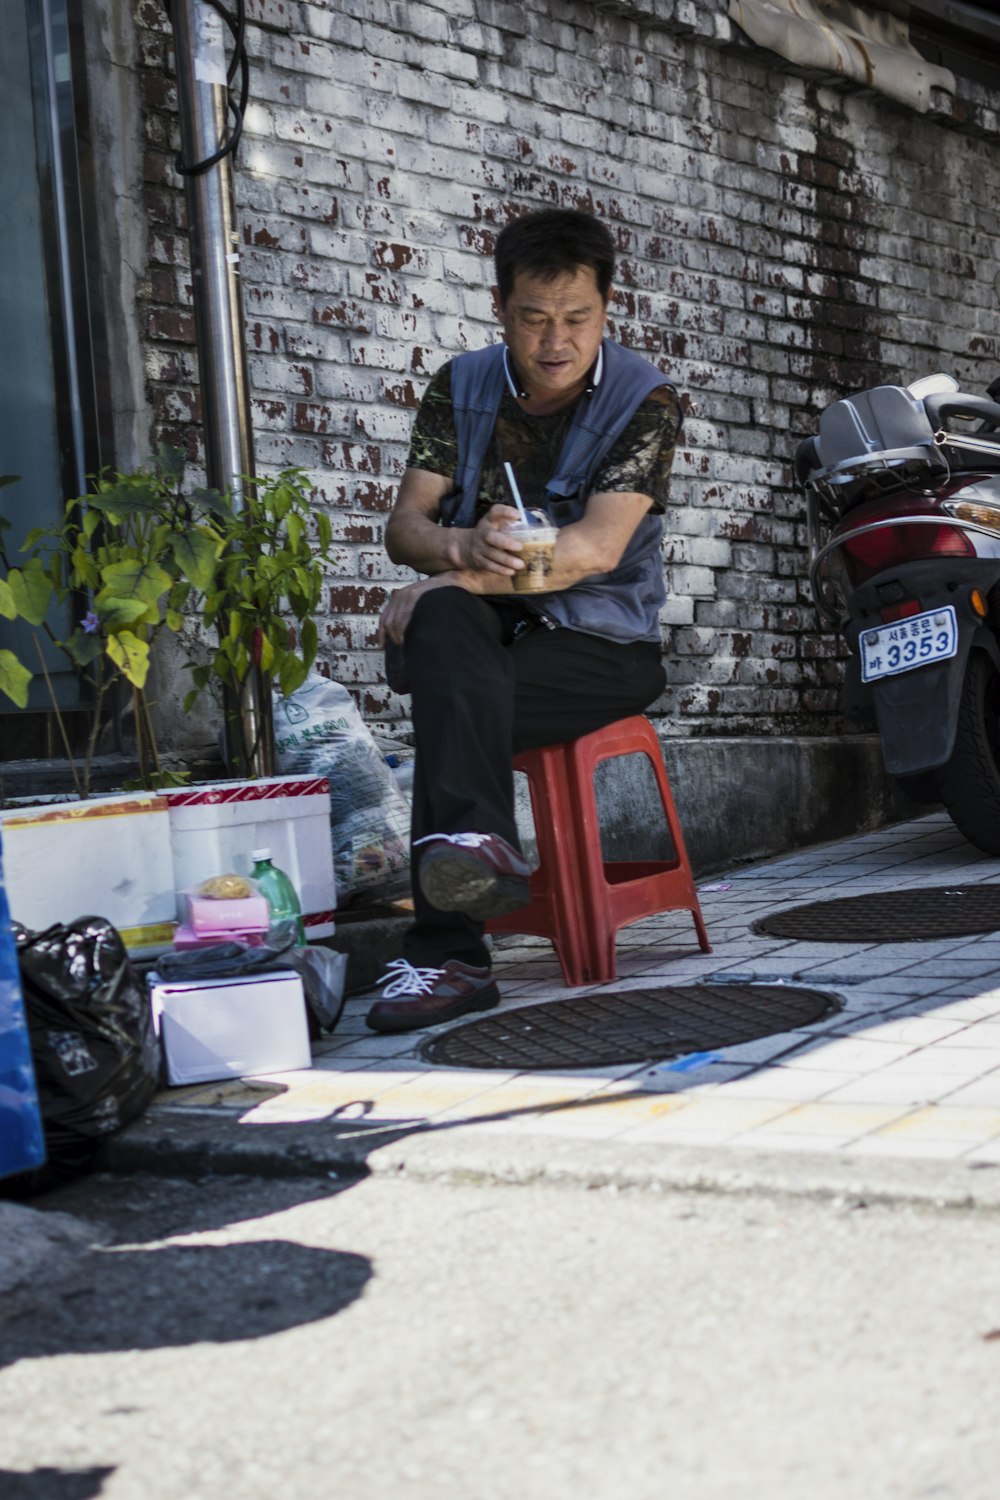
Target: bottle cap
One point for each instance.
(257, 854)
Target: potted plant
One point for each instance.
(144, 559)
(148, 559)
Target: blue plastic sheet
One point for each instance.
(22, 1143)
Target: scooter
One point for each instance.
(903, 514)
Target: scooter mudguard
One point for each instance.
(917, 711)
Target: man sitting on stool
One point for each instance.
(589, 429)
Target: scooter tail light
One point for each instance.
(902, 611)
(871, 552)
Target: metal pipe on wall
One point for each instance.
(200, 63)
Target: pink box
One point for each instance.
(222, 919)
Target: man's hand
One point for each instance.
(414, 537)
(488, 547)
(396, 615)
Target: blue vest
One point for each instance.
(624, 604)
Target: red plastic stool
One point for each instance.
(578, 900)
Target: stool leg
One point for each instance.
(628, 736)
(556, 909)
(601, 934)
(552, 807)
(655, 754)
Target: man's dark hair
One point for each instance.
(550, 242)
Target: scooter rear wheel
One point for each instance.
(970, 781)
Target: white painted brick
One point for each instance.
(779, 243)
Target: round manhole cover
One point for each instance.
(890, 916)
(595, 1031)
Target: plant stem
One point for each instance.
(99, 687)
(59, 720)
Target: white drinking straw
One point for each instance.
(516, 493)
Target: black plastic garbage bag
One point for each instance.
(96, 1055)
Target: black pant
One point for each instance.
(487, 682)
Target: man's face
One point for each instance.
(554, 330)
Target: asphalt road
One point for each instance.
(247, 1338)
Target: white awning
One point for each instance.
(872, 48)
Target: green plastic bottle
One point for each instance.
(279, 893)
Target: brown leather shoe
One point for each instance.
(414, 998)
(475, 873)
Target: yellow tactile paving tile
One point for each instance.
(351, 1096)
(721, 1117)
(526, 1094)
(234, 1094)
(625, 1107)
(842, 1120)
(943, 1123)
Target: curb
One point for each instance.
(206, 1146)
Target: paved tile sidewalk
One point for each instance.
(910, 1067)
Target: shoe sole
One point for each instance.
(453, 882)
(485, 999)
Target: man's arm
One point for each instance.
(414, 538)
(594, 544)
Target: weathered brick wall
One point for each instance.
(781, 241)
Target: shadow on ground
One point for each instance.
(134, 1289)
(53, 1484)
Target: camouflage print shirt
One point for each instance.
(639, 462)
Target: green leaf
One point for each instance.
(195, 553)
(6, 479)
(293, 675)
(91, 521)
(7, 606)
(280, 500)
(266, 654)
(212, 501)
(174, 619)
(14, 679)
(136, 579)
(130, 656)
(324, 530)
(170, 461)
(31, 588)
(127, 500)
(308, 641)
(295, 527)
(84, 647)
(115, 612)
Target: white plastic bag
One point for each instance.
(319, 731)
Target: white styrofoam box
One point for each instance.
(215, 827)
(212, 1029)
(107, 857)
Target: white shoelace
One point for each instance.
(465, 840)
(403, 978)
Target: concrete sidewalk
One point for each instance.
(899, 1090)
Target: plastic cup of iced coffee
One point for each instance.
(538, 548)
